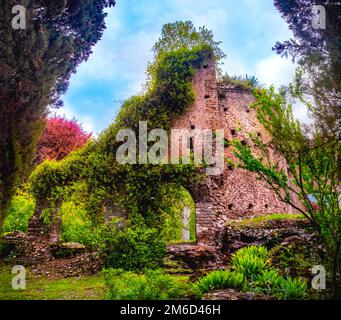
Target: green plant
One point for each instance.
(76, 225)
(35, 73)
(252, 272)
(312, 187)
(133, 249)
(152, 285)
(219, 279)
(250, 261)
(184, 35)
(246, 83)
(176, 199)
(19, 212)
(291, 289)
(266, 280)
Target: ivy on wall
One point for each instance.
(140, 189)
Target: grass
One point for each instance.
(82, 288)
(265, 218)
(150, 285)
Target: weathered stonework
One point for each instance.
(235, 193)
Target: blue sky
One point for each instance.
(116, 69)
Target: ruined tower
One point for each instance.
(235, 193)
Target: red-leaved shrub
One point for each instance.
(60, 137)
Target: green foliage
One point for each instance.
(267, 279)
(250, 260)
(141, 189)
(175, 200)
(132, 249)
(36, 65)
(152, 285)
(252, 272)
(76, 225)
(292, 289)
(296, 257)
(258, 220)
(318, 53)
(270, 282)
(239, 82)
(19, 212)
(312, 159)
(219, 279)
(183, 34)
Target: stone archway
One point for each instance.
(208, 211)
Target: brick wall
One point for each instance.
(235, 193)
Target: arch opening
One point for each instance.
(180, 218)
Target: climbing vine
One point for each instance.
(139, 188)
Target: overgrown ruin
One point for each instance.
(236, 193)
(233, 194)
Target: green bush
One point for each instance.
(250, 261)
(252, 272)
(152, 285)
(291, 289)
(134, 248)
(19, 213)
(219, 279)
(176, 199)
(239, 82)
(76, 225)
(267, 279)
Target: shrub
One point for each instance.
(250, 261)
(19, 212)
(240, 82)
(134, 248)
(291, 289)
(266, 280)
(219, 279)
(252, 272)
(153, 285)
(76, 225)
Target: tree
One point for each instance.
(35, 66)
(308, 168)
(60, 137)
(318, 52)
(181, 34)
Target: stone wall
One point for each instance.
(235, 193)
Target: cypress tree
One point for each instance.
(35, 67)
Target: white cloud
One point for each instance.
(121, 57)
(275, 70)
(279, 71)
(300, 112)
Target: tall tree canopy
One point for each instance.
(35, 66)
(183, 34)
(318, 52)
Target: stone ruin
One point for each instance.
(234, 194)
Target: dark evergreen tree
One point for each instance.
(318, 53)
(35, 67)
